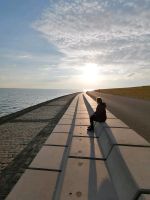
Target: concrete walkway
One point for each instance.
(111, 163)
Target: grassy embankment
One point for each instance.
(135, 92)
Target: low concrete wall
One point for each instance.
(127, 156)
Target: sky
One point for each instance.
(74, 44)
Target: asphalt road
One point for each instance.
(134, 112)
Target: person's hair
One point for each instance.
(99, 100)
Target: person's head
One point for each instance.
(99, 100)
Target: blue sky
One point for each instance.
(74, 44)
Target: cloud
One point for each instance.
(131, 74)
(112, 34)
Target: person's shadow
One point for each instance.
(99, 185)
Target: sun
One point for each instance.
(90, 73)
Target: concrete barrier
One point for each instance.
(144, 197)
(127, 157)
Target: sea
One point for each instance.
(14, 99)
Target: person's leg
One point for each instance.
(91, 127)
(92, 121)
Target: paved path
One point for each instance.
(134, 112)
(110, 163)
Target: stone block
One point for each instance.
(34, 184)
(110, 115)
(71, 114)
(57, 139)
(82, 112)
(49, 157)
(62, 128)
(105, 142)
(71, 109)
(119, 136)
(82, 122)
(116, 123)
(65, 121)
(82, 131)
(98, 127)
(82, 116)
(81, 107)
(85, 148)
(129, 169)
(144, 197)
(87, 179)
(124, 136)
(67, 116)
(74, 102)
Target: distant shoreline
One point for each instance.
(6, 118)
(13, 100)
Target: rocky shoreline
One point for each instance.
(22, 135)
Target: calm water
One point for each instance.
(12, 100)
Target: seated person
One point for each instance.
(99, 115)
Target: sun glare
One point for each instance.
(86, 89)
(90, 73)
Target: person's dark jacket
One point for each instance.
(101, 112)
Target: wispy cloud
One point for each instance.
(113, 34)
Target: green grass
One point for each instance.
(135, 92)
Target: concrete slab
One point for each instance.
(82, 116)
(81, 106)
(110, 115)
(82, 122)
(144, 197)
(106, 145)
(90, 100)
(65, 121)
(69, 113)
(98, 127)
(74, 102)
(57, 139)
(109, 137)
(62, 128)
(82, 131)
(72, 108)
(115, 123)
(49, 157)
(82, 112)
(87, 179)
(34, 184)
(125, 136)
(65, 116)
(85, 148)
(129, 169)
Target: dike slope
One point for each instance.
(22, 135)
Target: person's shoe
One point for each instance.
(90, 128)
